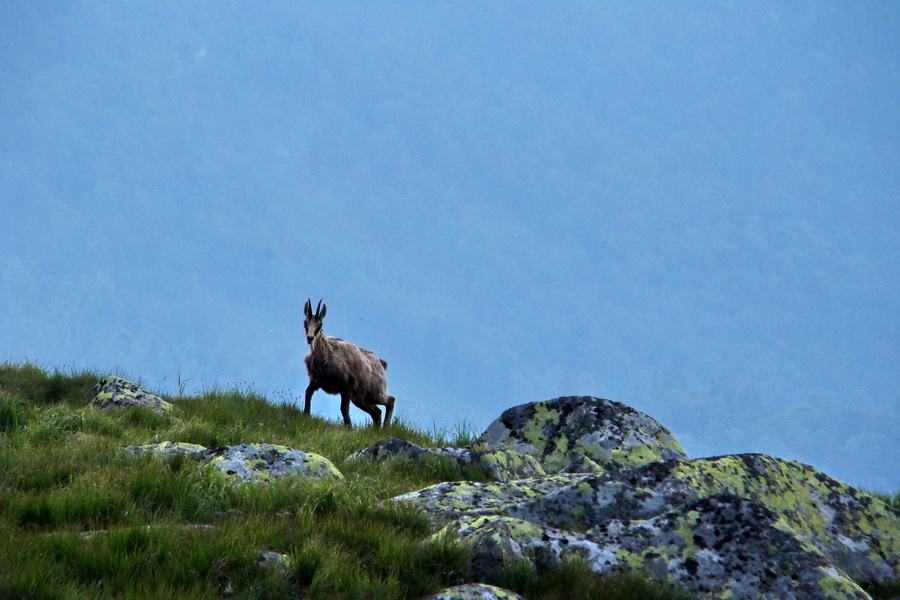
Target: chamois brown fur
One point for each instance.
(338, 367)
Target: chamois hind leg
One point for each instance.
(345, 409)
(375, 413)
(310, 390)
(389, 412)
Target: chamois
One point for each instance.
(339, 367)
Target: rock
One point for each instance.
(446, 502)
(86, 536)
(583, 464)
(474, 591)
(502, 465)
(386, 449)
(114, 393)
(724, 546)
(621, 495)
(167, 449)
(858, 533)
(495, 540)
(248, 462)
(265, 462)
(556, 432)
(718, 547)
(499, 464)
(274, 562)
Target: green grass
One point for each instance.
(64, 479)
(576, 580)
(81, 519)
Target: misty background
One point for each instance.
(690, 208)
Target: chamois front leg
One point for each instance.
(310, 390)
(345, 409)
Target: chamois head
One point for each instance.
(313, 322)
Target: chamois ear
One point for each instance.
(322, 314)
(307, 309)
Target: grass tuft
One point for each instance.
(577, 581)
(13, 415)
(38, 386)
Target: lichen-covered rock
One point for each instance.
(724, 546)
(496, 539)
(114, 393)
(499, 464)
(503, 465)
(265, 462)
(622, 495)
(167, 449)
(446, 502)
(583, 464)
(474, 591)
(858, 533)
(387, 449)
(558, 431)
(274, 562)
(717, 547)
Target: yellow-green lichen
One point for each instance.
(496, 528)
(319, 466)
(559, 458)
(629, 559)
(585, 464)
(838, 587)
(534, 431)
(506, 465)
(635, 456)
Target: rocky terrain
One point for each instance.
(595, 480)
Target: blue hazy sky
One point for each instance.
(691, 208)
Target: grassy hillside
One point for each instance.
(81, 519)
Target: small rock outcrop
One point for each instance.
(274, 562)
(474, 591)
(245, 463)
(576, 434)
(618, 492)
(393, 448)
(498, 464)
(265, 462)
(115, 393)
(167, 449)
(571, 429)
